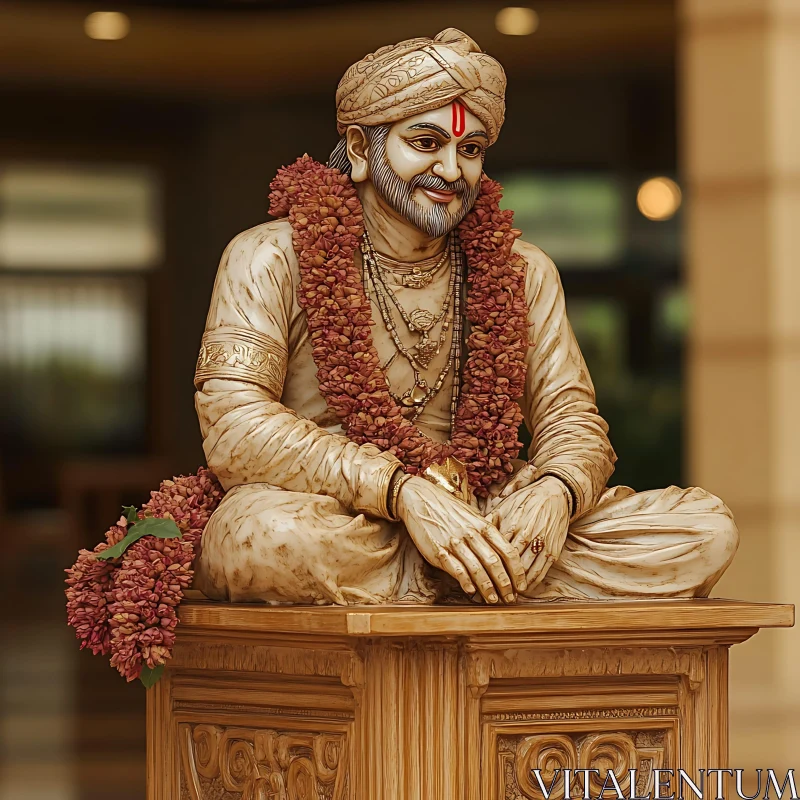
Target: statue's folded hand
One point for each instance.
(540, 510)
(455, 538)
(500, 491)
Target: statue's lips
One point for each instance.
(439, 196)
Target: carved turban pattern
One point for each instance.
(419, 75)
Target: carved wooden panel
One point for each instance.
(436, 704)
(620, 751)
(229, 763)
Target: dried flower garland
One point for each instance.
(128, 608)
(327, 221)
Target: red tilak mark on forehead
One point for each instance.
(459, 119)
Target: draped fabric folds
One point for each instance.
(306, 519)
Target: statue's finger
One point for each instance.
(524, 535)
(493, 564)
(489, 504)
(496, 521)
(510, 556)
(477, 572)
(520, 480)
(452, 566)
(527, 558)
(539, 568)
(492, 499)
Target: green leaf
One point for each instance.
(131, 514)
(120, 547)
(159, 527)
(150, 677)
(149, 526)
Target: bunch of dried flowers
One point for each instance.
(123, 603)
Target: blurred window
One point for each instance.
(78, 217)
(599, 325)
(643, 404)
(578, 220)
(77, 244)
(72, 363)
(673, 314)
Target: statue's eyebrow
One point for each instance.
(430, 127)
(477, 133)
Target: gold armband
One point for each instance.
(240, 354)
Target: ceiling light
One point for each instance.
(659, 198)
(516, 21)
(107, 25)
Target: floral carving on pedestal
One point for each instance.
(618, 751)
(253, 764)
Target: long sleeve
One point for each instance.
(570, 438)
(248, 435)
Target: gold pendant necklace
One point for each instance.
(420, 320)
(412, 276)
(419, 395)
(417, 279)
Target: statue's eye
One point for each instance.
(471, 149)
(425, 143)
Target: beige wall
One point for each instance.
(740, 103)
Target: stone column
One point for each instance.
(740, 103)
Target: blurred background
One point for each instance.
(651, 148)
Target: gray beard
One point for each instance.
(399, 194)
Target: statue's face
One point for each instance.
(428, 167)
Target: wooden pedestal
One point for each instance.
(443, 703)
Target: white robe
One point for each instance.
(305, 519)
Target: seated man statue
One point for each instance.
(369, 358)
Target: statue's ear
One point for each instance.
(357, 151)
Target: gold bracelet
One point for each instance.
(396, 486)
(451, 475)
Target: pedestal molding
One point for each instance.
(587, 662)
(392, 703)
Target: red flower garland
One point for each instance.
(327, 221)
(128, 608)
(88, 581)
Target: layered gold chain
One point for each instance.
(420, 322)
(413, 276)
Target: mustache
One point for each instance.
(427, 181)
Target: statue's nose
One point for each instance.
(447, 166)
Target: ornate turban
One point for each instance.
(418, 75)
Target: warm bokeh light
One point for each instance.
(516, 21)
(659, 198)
(107, 25)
